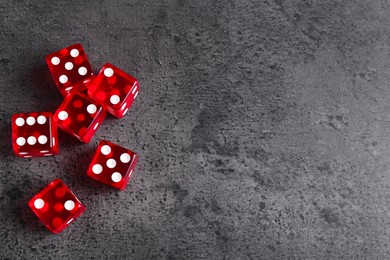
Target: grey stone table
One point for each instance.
(263, 129)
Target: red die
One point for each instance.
(56, 206)
(80, 116)
(70, 69)
(114, 89)
(112, 164)
(34, 134)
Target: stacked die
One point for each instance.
(87, 98)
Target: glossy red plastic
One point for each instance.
(114, 89)
(79, 116)
(34, 134)
(70, 69)
(112, 164)
(56, 206)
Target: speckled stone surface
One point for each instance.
(263, 129)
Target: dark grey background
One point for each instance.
(263, 129)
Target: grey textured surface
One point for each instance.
(263, 129)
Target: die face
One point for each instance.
(70, 69)
(56, 206)
(80, 116)
(112, 165)
(114, 89)
(34, 134)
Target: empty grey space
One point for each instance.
(263, 129)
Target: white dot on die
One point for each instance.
(82, 71)
(134, 89)
(69, 205)
(62, 115)
(42, 139)
(31, 140)
(63, 79)
(111, 163)
(97, 169)
(116, 177)
(108, 72)
(21, 141)
(69, 65)
(114, 99)
(125, 157)
(91, 108)
(74, 53)
(106, 149)
(30, 120)
(39, 203)
(19, 121)
(55, 60)
(41, 120)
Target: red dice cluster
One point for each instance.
(87, 98)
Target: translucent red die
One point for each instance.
(114, 89)
(112, 164)
(79, 116)
(56, 206)
(70, 69)
(34, 134)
